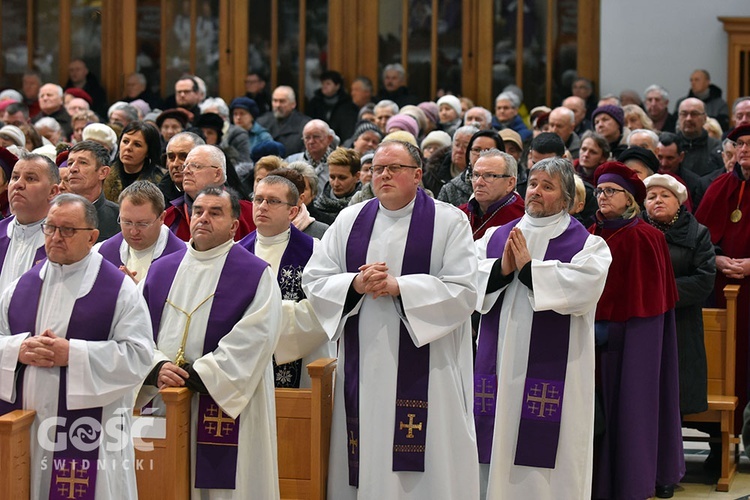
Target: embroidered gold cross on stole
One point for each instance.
(180, 360)
(485, 395)
(73, 485)
(217, 421)
(410, 426)
(353, 442)
(545, 401)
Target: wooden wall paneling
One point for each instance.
(434, 48)
(405, 37)
(367, 41)
(589, 41)
(485, 50)
(233, 47)
(302, 54)
(519, 45)
(738, 53)
(64, 47)
(551, 42)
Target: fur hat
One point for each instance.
(643, 155)
(403, 122)
(436, 138)
(101, 133)
(668, 182)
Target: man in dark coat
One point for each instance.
(394, 86)
(333, 105)
(284, 122)
(81, 78)
(702, 88)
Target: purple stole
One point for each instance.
(110, 249)
(541, 409)
(217, 433)
(41, 254)
(298, 251)
(73, 467)
(412, 383)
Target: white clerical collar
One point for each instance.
(209, 254)
(401, 212)
(277, 239)
(25, 231)
(545, 221)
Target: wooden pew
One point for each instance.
(303, 420)
(15, 454)
(303, 424)
(303, 430)
(719, 326)
(163, 462)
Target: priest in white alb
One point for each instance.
(75, 343)
(217, 310)
(394, 282)
(287, 250)
(540, 277)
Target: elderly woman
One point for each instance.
(636, 348)
(694, 265)
(305, 220)
(636, 118)
(138, 157)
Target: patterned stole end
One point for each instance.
(218, 436)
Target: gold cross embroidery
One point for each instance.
(219, 423)
(353, 442)
(484, 395)
(410, 426)
(544, 403)
(72, 486)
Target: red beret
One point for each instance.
(80, 93)
(738, 132)
(62, 158)
(620, 174)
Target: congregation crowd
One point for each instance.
(531, 280)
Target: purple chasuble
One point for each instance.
(412, 383)
(110, 249)
(541, 409)
(217, 434)
(298, 251)
(40, 255)
(74, 467)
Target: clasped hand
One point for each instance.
(374, 279)
(45, 350)
(516, 253)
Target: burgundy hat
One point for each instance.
(62, 158)
(7, 162)
(431, 110)
(620, 174)
(181, 115)
(80, 93)
(738, 132)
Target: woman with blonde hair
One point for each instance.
(636, 118)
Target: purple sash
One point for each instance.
(541, 409)
(40, 255)
(217, 434)
(73, 467)
(412, 384)
(110, 249)
(298, 251)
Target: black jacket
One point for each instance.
(694, 264)
(437, 170)
(702, 154)
(339, 112)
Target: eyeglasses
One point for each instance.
(137, 225)
(691, 114)
(65, 232)
(608, 192)
(272, 202)
(488, 177)
(194, 167)
(316, 138)
(173, 156)
(741, 144)
(394, 168)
